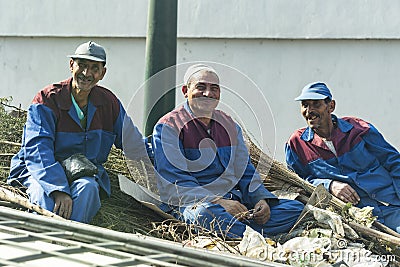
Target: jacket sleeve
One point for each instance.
(177, 187)
(128, 137)
(293, 163)
(250, 184)
(38, 146)
(387, 155)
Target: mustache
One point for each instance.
(84, 77)
(205, 100)
(312, 114)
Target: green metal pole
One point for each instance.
(160, 54)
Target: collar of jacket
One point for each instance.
(66, 95)
(344, 126)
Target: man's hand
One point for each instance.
(62, 204)
(344, 192)
(235, 208)
(262, 212)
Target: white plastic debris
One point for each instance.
(254, 245)
(210, 243)
(323, 251)
(307, 244)
(362, 216)
(328, 217)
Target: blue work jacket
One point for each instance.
(364, 160)
(53, 132)
(197, 164)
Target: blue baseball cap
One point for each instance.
(314, 91)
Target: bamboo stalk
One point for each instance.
(19, 109)
(385, 229)
(12, 197)
(6, 154)
(9, 143)
(393, 240)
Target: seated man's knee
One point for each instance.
(212, 217)
(205, 213)
(291, 205)
(391, 217)
(87, 184)
(298, 206)
(86, 196)
(85, 190)
(198, 213)
(283, 216)
(294, 208)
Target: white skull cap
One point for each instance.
(194, 69)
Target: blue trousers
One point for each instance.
(389, 216)
(84, 193)
(214, 217)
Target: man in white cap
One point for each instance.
(73, 117)
(203, 168)
(347, 155)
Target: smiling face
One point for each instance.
(86, 73)
(203, 92)
(317, 114)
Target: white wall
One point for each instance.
(279, 44)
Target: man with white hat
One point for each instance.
(203, 169)
(347, 155)
(70, 120)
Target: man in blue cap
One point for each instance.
(347, 155)
(74, 117)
